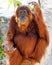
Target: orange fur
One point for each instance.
(32, 44)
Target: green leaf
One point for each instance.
(1, 41)
(16, 3)
(1, 51)
(10, 1)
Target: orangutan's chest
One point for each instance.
(25, 43)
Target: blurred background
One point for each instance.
(8, 8)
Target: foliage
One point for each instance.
(1, 50)
(15, 2)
